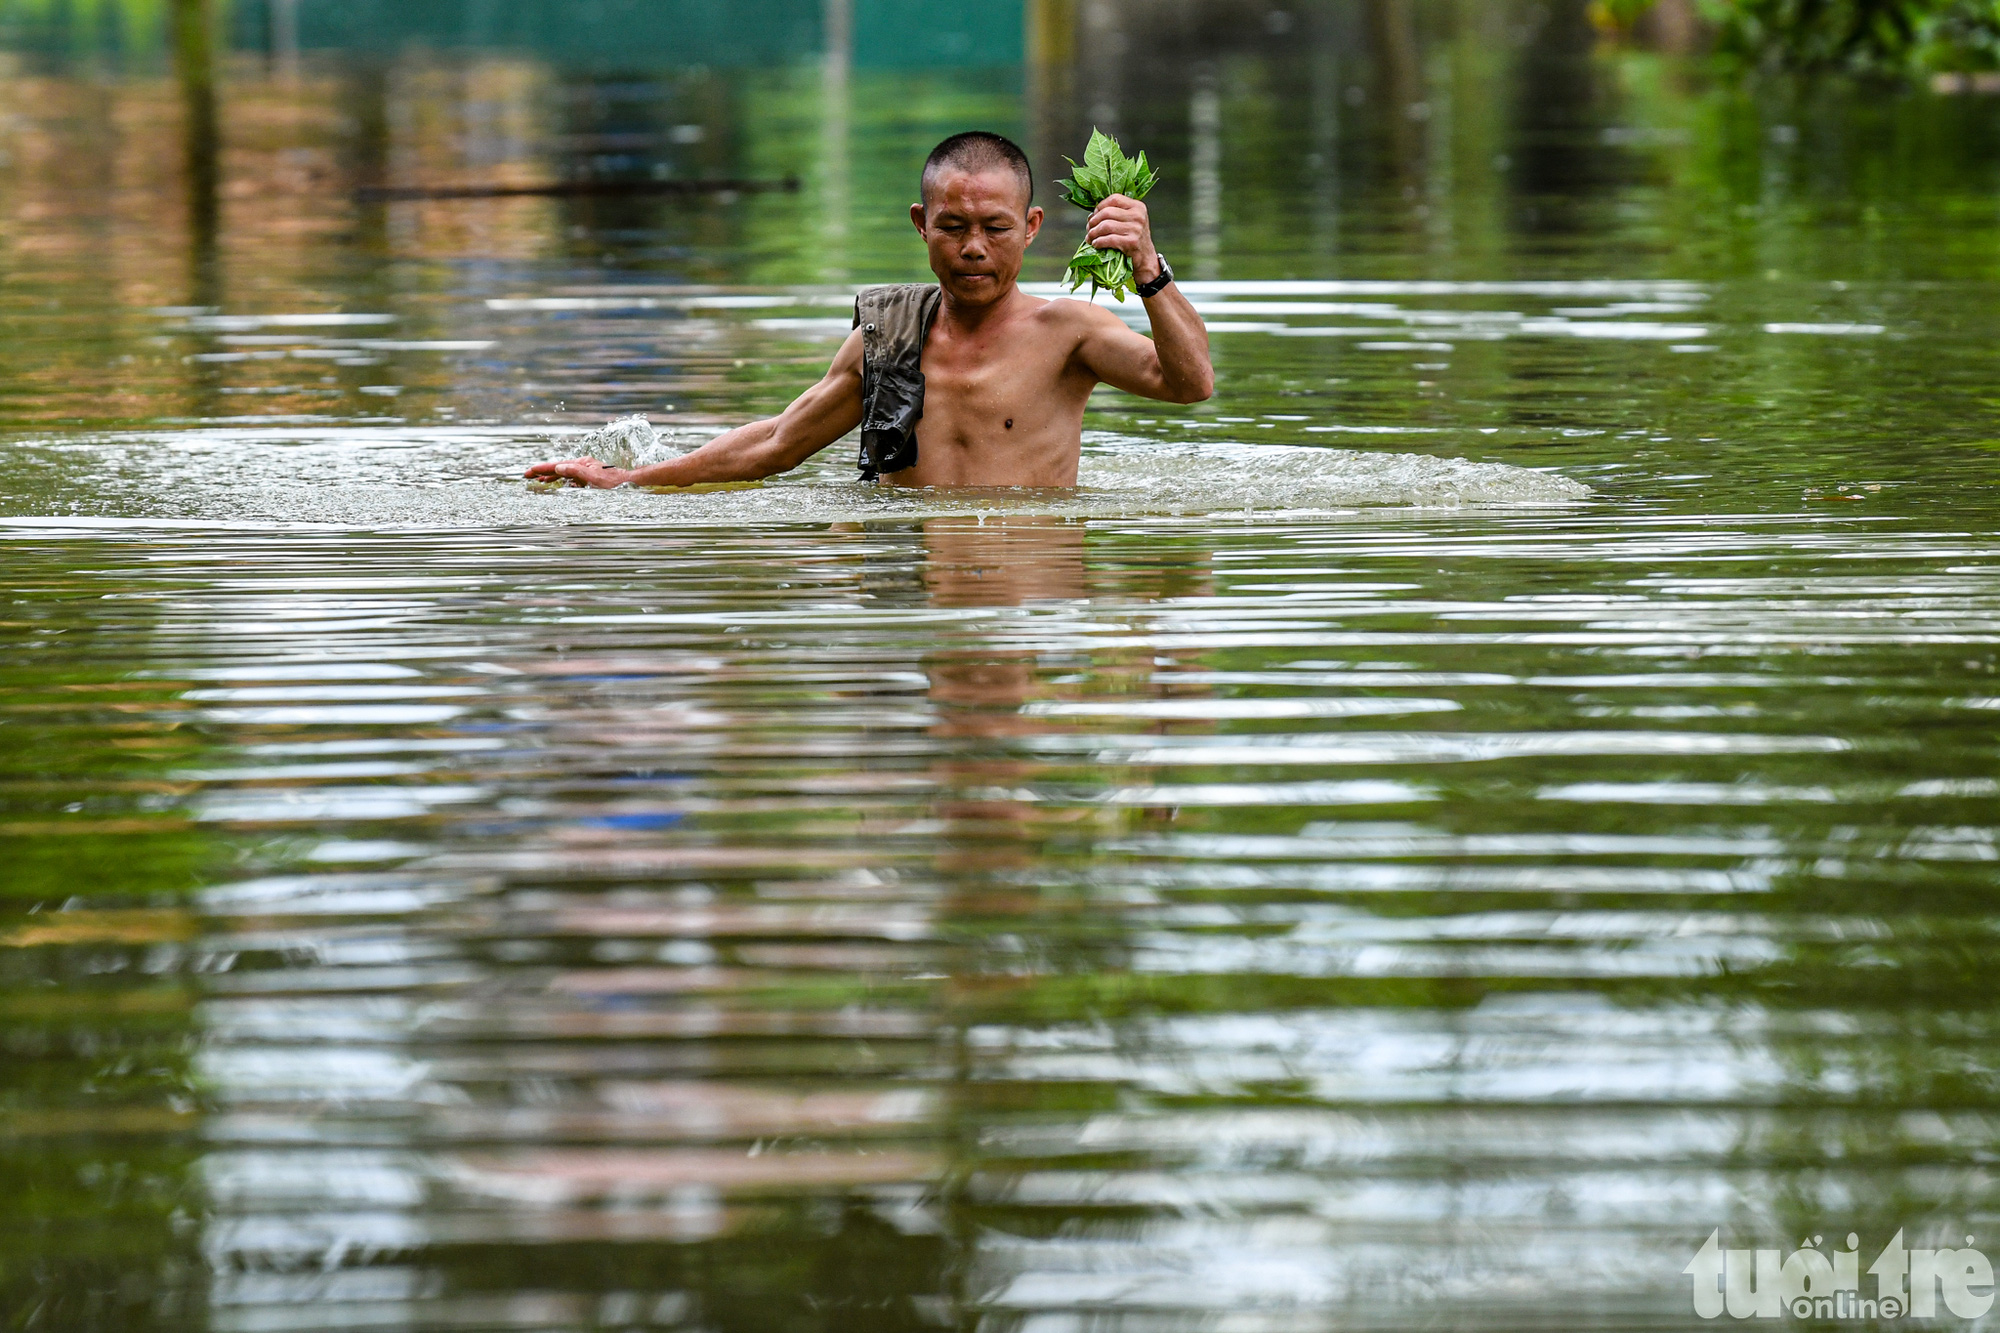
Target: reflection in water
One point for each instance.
(1005, 919)
(995, 694)
(1009, 561)
(977, 691)
(193, 28)
(1503, 791)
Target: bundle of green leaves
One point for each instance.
(1104, 171)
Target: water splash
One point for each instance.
(625, 442)
(1214, 476)
(470, 477)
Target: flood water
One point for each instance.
(1504, 790)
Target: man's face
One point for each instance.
(977, 226)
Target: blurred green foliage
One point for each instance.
(133, 27)
(1863, 36)
(1618, 15)
(1876, 37)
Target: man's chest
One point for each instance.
(991, 372)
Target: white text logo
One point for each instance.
(1826, 1284)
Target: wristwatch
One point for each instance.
(1159, 284)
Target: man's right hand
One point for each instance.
(816, 418)
(580, 472)
(1120, 222)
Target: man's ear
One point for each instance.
(917, 218)
(1035, 216)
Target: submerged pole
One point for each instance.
(192, 28)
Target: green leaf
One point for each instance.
(1105, 171)
(1088, 264)
(1143, 178)
(1101, 151)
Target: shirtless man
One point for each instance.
(1006, 374)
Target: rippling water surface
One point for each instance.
(1505, 790)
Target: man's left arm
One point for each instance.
(1173, 364)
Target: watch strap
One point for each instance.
(1159, 284)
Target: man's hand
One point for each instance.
(816, 418)
(580, 472)
(1121, 223)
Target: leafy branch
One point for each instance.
(1104, 171)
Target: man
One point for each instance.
(992, 382)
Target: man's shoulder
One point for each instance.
(1069, 312)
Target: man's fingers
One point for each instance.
(566, 468)
(1118, 223)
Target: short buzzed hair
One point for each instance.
(975, 151)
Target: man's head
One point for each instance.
(977, 152)
(978, 215)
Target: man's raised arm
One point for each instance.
(816, 418)
(1173, 365)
